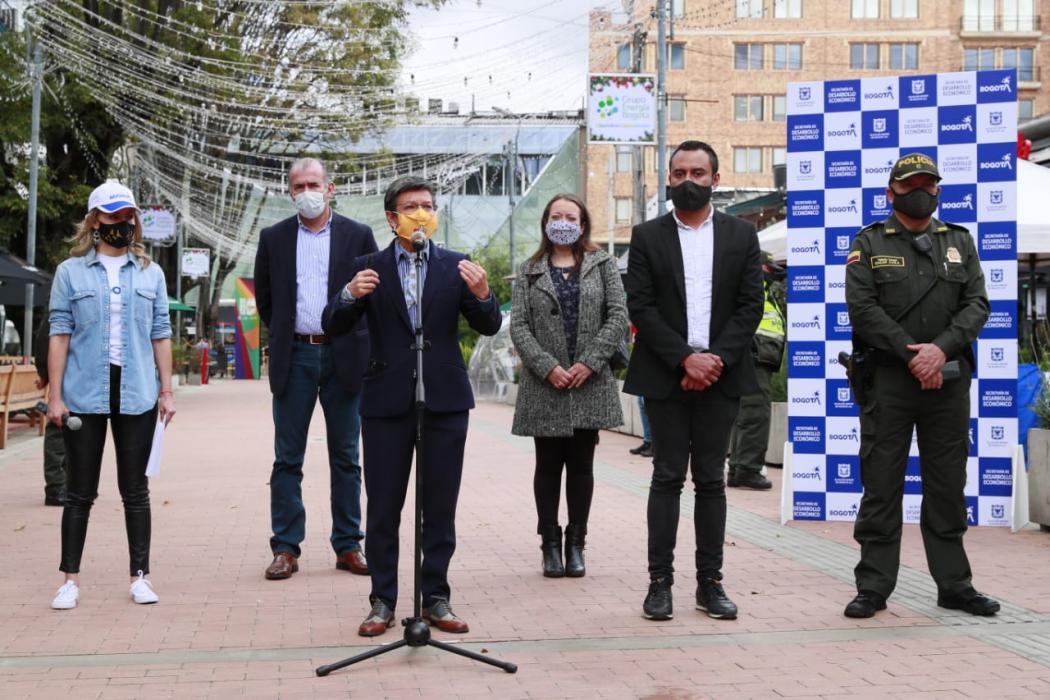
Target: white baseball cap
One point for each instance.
(111, 196)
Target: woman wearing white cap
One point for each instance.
(110, 363)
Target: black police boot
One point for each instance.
(574, 541)
(865, 604)
(971, 601)
(551, 548)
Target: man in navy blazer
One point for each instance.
(298, 267)
(382, 288)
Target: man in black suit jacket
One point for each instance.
(694, 292)
(299, 265)
(382, 288)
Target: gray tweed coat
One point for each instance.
(539, 336)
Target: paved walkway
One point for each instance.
(221, 630)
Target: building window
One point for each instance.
(1018, 16)
(779, 108)
(747, 159)
(623, 160)
(749, 9)
(748, 57)
(787, 9)
(676, 109)
(978, 59)
(677, 8)
(1022, 60)
(623, 210)
(904, 56)
(979, 15)
(623, 57)
(787, 56)
(864, 56)
(779, 155)
(865, 9)
(676, 56)
(904, 9)
(1025, 109)
(748, 108)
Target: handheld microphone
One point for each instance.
(419, 240)
(71, 422)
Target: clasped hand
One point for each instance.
(927, 364)
(702, 369)
(572, 378)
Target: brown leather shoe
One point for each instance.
(283, 566)
(352, 561)
(378, 621)
(440, 615)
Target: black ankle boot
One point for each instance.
(551, 547)
(574, 541)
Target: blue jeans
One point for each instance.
(312, 374)
(647, 431)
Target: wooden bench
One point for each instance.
(18, 392)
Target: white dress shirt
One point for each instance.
(698, 262)
(312, 251)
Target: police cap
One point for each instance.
(913, 164)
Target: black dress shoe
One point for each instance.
(641, 449)
(750, 480)
(972, 602)
(865, 604)
(55, 499)
(657, 605)
(712, 599)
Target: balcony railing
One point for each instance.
(1001, 23)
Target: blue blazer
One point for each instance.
(389, 385)
(275, 292)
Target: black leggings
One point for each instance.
(133, 438)
(576, 454)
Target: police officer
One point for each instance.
(916, 300)
(751, 432)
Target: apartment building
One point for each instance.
(729, 63)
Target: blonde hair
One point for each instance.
(84, 238)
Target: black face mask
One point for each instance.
(918, 204)
(689, 196)
(118, 235)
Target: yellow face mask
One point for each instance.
(407, 224)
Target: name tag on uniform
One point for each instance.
(886, 261)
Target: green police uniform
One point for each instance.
(750, 436)
(885, 272)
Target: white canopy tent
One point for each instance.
(1033, 216)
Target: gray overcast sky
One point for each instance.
(522, 55)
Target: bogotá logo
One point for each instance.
(804, 94)
(886, 94)
(815, 323)
(815, 474)
(850, 512)
(812, 400)
(851, 130)
(965, 203)
(1004, 163)
(1002, 86)
(965, 125)
(844, 208)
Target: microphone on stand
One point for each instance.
(419, 240)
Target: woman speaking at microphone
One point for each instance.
(110, 363)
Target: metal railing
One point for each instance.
(1001, 23)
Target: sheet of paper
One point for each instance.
(153, 467)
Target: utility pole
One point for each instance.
(512, 174)
(638, 49)
(661, 106)
(36, 68)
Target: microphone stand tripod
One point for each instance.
(417, 631)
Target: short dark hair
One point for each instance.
(696, 146)
(408, 183)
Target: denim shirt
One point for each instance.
(80, 308)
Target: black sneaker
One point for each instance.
(657, 605)
(642, 448)
(865, 604)
(712, 599)
(972, 602)
(750, 480)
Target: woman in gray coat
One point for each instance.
(568, 317)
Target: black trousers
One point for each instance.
(690, 427)
(389, 444)
(576, 455)
(133, 438)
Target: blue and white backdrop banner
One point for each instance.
(843, 137)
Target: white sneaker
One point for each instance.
(67, 596)
(142, 591)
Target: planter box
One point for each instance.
(1039, 477)
(778, 428)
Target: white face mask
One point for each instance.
(310, 204)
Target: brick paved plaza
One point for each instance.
(221, 630)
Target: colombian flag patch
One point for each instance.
(853, 257)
